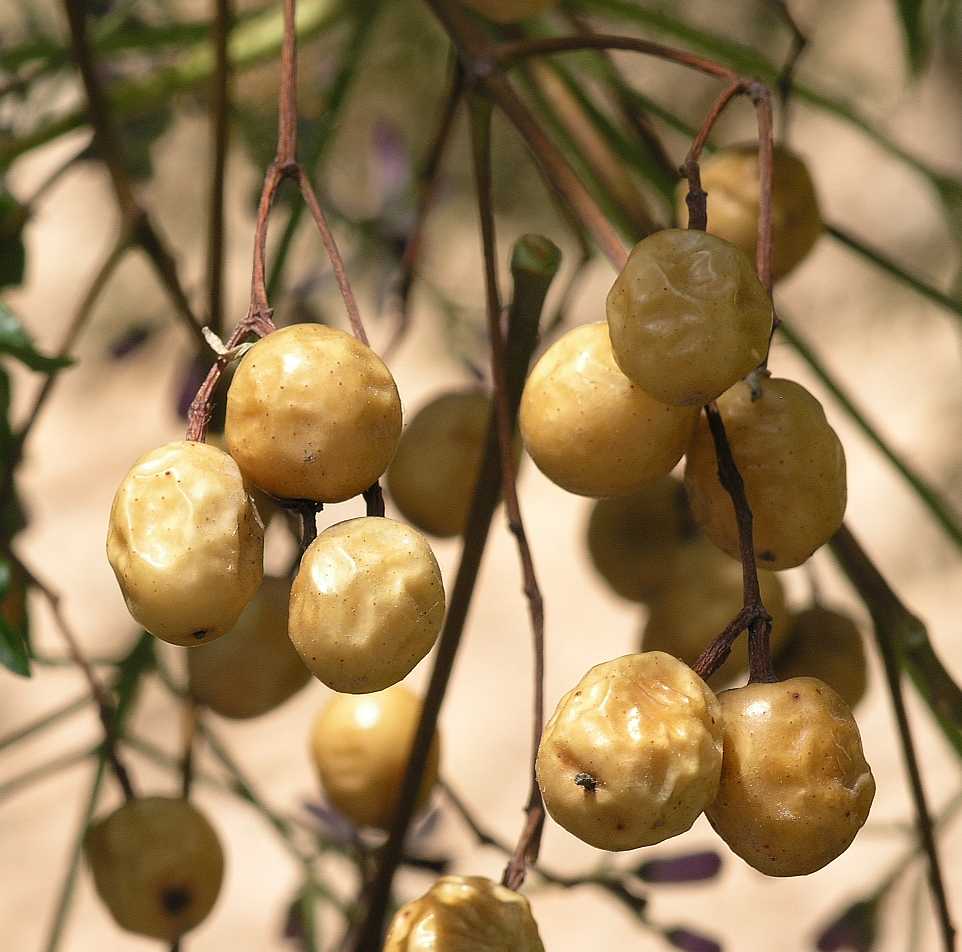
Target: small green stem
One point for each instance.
(46, 720)
(48, 769)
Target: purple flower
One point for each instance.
(683, 868)
(691, 941)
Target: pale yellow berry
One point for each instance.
(730, 177)
(185, 542)
(361, 744)
(433, 475)
(688, 316)
(631, 539)
(793, 466)
(633, 753)
(465, 914)
(255, 667)
(795, 787)
(827, 645)
(312, 413)
(509, 11)
(588, 428)
(157, 865)
(701, 594)
(367, 604)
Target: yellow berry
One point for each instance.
(434, 472)
(701, 594)
(361, 745)
(631, 539)
(185, 542)
(632, 754)
(730, 177)
(157, 865)
(827, 645)
(688, 316)
(509, 11)
(793, 466)
(255, 667)
(312, 413)
(465, 914)
(588, 428)
(367, 604)
(795, 787)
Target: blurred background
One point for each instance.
(372, 81)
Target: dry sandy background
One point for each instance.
(898, 353)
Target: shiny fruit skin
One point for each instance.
(730, 177)
(793, 466)
(312, 413)
(432, 477)
(465, 914)
(588, 428)
(509, 11)
(632, 754)
(632, 539)
(701, 594)
(688, 317)
(185, 542)
(254, 668)
(157, 865)
(795, 787)
(360, 746)
(827, 645)
(367, 604)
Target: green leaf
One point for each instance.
(140, 660)
(16, 342)
(13, 649)
(918, 38)
(13, 252)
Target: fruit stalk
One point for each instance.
(532, 273)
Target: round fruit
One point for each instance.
(826, 644)
(589, 428)
(361, 745)
(312, 413)
(730, 178)
(793, 466)
(185, 542)
(701, 594)
(795, 787)
(465, 914)
(688, 316)
(633, 753)
(255, 668)
(157, 865)
(509, 11)
(367, 604)
(631, 539)
(433, 475)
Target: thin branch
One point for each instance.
(44, 721)
(190, 717)
(785, 81)
(428, 182)
(47, 769)
(220, 104)
(510, 53)
(110, 149)
(105, 706)
(533, 270)
(530, 839)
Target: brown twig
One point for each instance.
(754, 615)
(220, 136)
(191, 713)
(110, 149)
(105, 706)
(534, 265)
(428, 182)
(530, 840)
(786, 77)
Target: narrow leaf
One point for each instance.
(16, 342)
(13, 650)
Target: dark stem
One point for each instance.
(786, 76)
(531, 285)
(530, 839)
(220, 136)
(110, 150)
(374, 500)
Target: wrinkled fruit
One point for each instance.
(185, 542)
